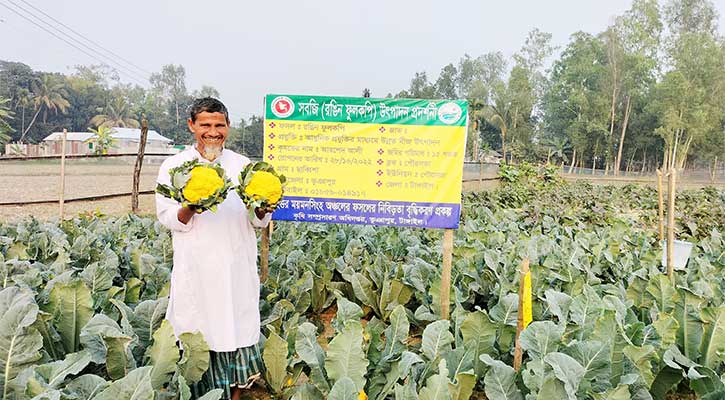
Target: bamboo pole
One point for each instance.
(523, 310)
(264, 253)
(671, 223)
(62, 174)
(660, 205)
(446, 273)
(139, 163)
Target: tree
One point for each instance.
(48, 95)
(116, 114)
(445, 85)
(170, 83)
(206, 91)
(689, 97)
(102, 139)
(5, 116)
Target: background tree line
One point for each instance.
(649, 91)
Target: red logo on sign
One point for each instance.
(282, 106)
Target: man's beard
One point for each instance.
(211, 151)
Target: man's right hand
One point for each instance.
(185, 213)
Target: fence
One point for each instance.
(34, 180)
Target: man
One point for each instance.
(214, 282)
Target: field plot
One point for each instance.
(353, 309)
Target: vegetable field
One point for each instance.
(351, 312)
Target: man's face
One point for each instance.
(210, 129)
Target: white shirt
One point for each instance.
(214, 282)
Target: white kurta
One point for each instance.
(214, 282)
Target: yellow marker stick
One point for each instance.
(527, 301)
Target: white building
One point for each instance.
(126, 142)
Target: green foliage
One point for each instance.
(607, 323)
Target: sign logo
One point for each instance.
(449, 113)
(282, 106)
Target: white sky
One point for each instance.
(334, 47)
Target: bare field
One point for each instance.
(24, 181)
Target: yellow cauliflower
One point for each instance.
(362, 395)
(264, 185)
(203, 183)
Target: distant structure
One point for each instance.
(126, 142)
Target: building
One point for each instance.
(126, 142)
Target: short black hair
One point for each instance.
(207, 104)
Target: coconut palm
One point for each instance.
(48, 95)
(115, 114)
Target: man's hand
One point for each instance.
(262, 212)
(185, 213)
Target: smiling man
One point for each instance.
(214, 281)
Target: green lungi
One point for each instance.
(230, 369)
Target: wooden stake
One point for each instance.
(62, 174)
(521, 323)
(661, 206)
(139, 164)
(264, 253)
(446, 273)
(671, 223)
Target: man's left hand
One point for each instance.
(262, 212)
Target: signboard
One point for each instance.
(394, 162)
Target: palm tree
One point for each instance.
(5, 116)
(102, 139)
(25, 98)
(116, 115)
(48, 95)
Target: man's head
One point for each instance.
(209, 122)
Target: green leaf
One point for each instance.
(345, 355)
(551, 388)
(642, 358)
(55, 373)
(307, 347)
(594, 357)
(506, 310)
(134, 386)
(346, 311)
(275, 361)
(541, 338)
(394, 293)
(691, 326)
(307, 391)
(558, 304)
(19, 344)
(500, 380)
(133, 290)
(666, 379)
(396, 333)
(363, 289)
(164, 354)
(713, 339)
(344, 389)
(85, 387)
(436, 339)
(666, 327)
(147, 318)
(194, 356)
(707, 385)
(568, 370)
(436, 387)
(406, 392)
(661, 292)
(105, 341)
(621, 392)
(479, 337)
(462, 389)
(72, 307)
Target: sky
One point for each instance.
(246, 49)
